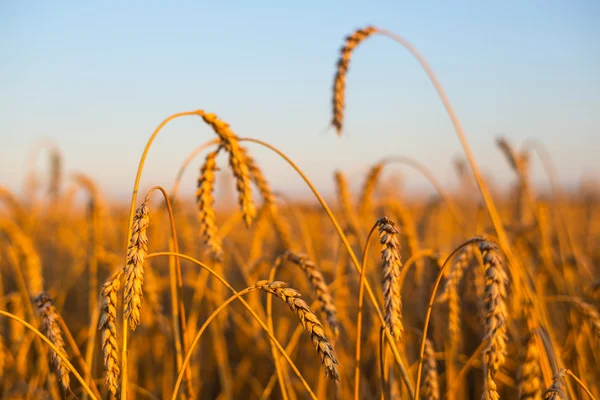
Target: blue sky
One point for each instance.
(99, 76)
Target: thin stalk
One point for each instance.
(361, 294)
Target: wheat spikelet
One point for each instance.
(308, 320)
(317, 281)
(339, 84)
(495, 324)
(390, 254)
(108, 327)
(451, 293)
(368, 190)
(134, 269)
(431, 387)
(237, 161)
(51, 328)
(205, 201)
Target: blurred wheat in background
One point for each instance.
(470, 294)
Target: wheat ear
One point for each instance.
(390, 254)
(556, 391)
(308, 320)
(431, 386)
(108, 327)
(368, 190)
(339, 83)
(495, 324)
(317, 281)
(51, 329)
(205, 203)
(451, 293)
(237, 161)
(530, 373)
(134, 269)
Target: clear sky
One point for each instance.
(99, 76)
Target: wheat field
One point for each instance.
(467, 294)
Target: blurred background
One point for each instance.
(98, 78)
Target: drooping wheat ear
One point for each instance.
(317, 281)
(496, 281)
(431, 387)
(390, 254)
(55, 172)
(530, 374)
(51, 328)
(237, 161)
(205, 203)
(308, 320)
(108, 327)
(32, 266)
(455, 276)
(556, 391)
(134, 269)
(368, 189)
(589, 314)
(282, 227)
(339, 84)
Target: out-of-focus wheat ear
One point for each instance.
(339, 83)
(451, 293)
(108, 328)
(237, 161)
(431, 386)
(529, 376)
(343, 192)
(556, 391)
(308, 320)
(55, 172)
(520, 164)
(280, 224)
(390, 254)
(589, 314)
(367, 193)
(2, 354)
(205, 202)
(134, 269)
(51, 328)
(27, 255)
(496, 281)
(317, 281)
(509, 152)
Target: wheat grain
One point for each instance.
(390, 254)
(308, 320)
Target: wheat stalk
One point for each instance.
(237, 161)
(134, 268)
(390, 254)
(317, 281)
(108, 327)
(51, 329)
(205, 201)
(308, 320)
(339, 84)
(496, 313)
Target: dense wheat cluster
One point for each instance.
(475, 293)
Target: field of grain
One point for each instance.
(369, 295)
